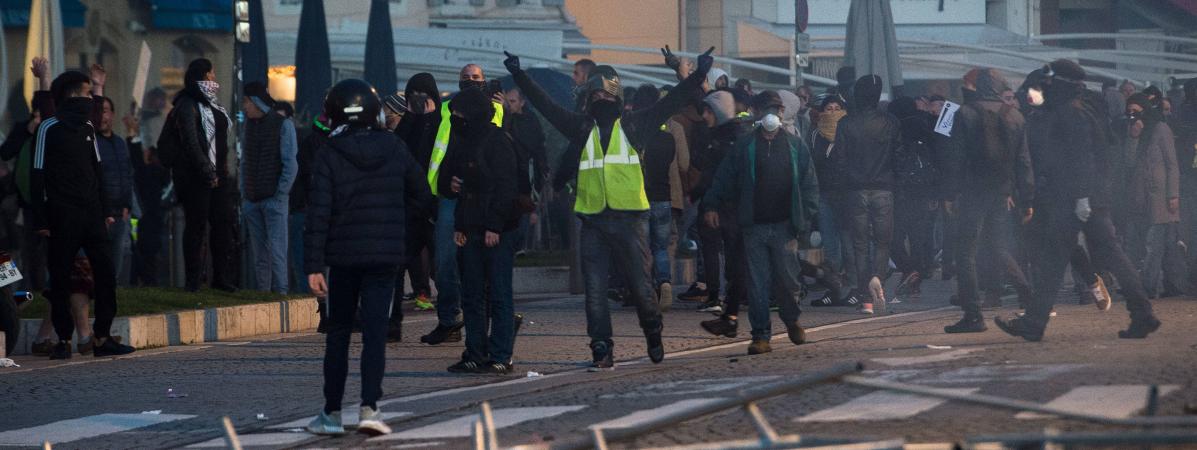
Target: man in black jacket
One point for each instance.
(268, 168)
(481, 174)
(1069, 142)
(866, 140)
(363, 182)
(993, 177)
(69, 208)
(611, 199)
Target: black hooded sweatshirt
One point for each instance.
(418, 131)
(363, 183)
(1068, 147)
(866, 140)
(990, 139)
(66, 179)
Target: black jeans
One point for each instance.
(1056, 227)
(914, 233)
(984, 220)
(33, 255)
(872, 221)
(348, 287)
(73, 229)
(621, 237)
(487, 301)
(728, 241)
(210, 216)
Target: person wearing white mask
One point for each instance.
(768, 169)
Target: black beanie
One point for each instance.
(473, 104)
(845, 76)
(867, 91)
(1067, 70)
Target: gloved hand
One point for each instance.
(512, 63)
(671, 59)
(705, 61)
(1083, 211)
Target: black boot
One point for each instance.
(1020, 327)
(656, 348)
(723, 326)
(602, 352)
(1140, 327)
(969, 324)
(442, 334)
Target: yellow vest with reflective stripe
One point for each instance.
(610, 178)
(441, 145)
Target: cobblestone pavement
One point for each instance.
(1081, 365)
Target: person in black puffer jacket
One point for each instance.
(363, 182)
(916, 200)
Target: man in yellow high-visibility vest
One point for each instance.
(448, 279)
(604, 159)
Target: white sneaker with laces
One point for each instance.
(327, 424)
(370, 423)
(1101, 294)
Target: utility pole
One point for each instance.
(801, 40)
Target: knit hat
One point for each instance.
(867, 91)
(259, 94)
(1067, 70)
(473, 104)
(722, 105)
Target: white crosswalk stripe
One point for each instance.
(646, 414)
(462, 426)
(348, 418)
(1117, 401)
(927, 359)
(257, 440)
(880, 406)
(84, 427)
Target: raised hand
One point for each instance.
(671, 59)
(40, 67)
(512, 63)
(705, 61)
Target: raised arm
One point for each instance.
(563, 119)
(651, 118)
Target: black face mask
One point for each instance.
(471, 84)
(459, 125)
(604, 110)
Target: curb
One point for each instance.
(200, 325)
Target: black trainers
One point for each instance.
(498, 368)
(62, 350)
(967, 325)
(656, 348)
(694, 294)
(1020, 327)
(465, 366)
(519, 322)
(713, 306)
(759, 347)
(442, 334)
(796, 333)
(603, 359)
(111, 347)
(826, 300)
(1140, 328)
(722, 326)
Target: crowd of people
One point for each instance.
(382, 188)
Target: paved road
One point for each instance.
(124, 403)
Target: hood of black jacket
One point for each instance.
(991, 84)
(366, 149)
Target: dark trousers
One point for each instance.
(419, 254)
(621, 237)
(772, 253)
(348, 289)
(914, 233)
(210, 218)
(841, 202)
(33, 256)
(1056, 227)
(984, 220)
(728, 241)
(872, 221)
(73, 229)
(488, 302)
(148, 247)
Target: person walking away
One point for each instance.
(994, 177)
(768, 168)
(70, 210)
(866, 140)
(1154, 188)
(363, 181)
(268, 168)
(118, 185)
(611, 201)
(661, 165)
(916, 199)
(1068, 141)
(481, 174)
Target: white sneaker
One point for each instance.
(877, 291)
(1101, 294)
(370, 423)
(327, 424)
(1024, 313)
(665, 296)
(865, 308)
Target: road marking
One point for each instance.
(257, 440)
(84, 427)
(880, 405)
(647, 414)
(692, 387)
(926, 359)
(1014, 372)
(349, 417)
(1117, 401)
(462, 426)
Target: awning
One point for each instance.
(212, 15)
(15, 13)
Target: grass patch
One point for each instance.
(553, 258)
(140, 301)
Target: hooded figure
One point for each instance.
(792, 118)
(418, 127)
(717, 79)
(1155, 180)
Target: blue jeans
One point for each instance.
(266, 222)
(448, 281)
(619, 237)
(300, 285)
(488, 338)
(830, 234)
(118, 236)
(660, 232)
(772, 254)
(347, 288)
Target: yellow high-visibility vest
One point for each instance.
(441, 145)
(610, 178)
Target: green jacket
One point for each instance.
(735, 183)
